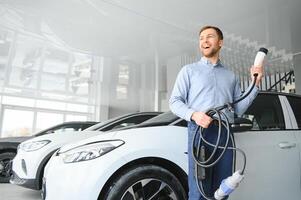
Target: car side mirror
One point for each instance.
(241, 124)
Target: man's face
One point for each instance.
(209, 43)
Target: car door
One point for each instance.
(295, 107)
(273, 163)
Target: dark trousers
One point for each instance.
(218, 172)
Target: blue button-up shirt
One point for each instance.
(201, 86)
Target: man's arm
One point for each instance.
(178, 99)
(243, 105)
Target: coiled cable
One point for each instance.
(201, 163)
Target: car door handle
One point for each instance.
(286, 145)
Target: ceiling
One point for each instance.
(140, 29)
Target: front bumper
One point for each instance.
(27, 169)
(43, 192)
(28, 183)
(81, 180)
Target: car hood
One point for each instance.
(140, 134)
(95, 138)
(110, 135)
(59, 139)
(15, 139)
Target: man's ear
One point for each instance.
(221, 43)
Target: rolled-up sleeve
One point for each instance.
(178, 100)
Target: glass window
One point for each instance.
(46, 120)
(68, 128)
(60, 129)
(76, 118)
(5, 45)
(56, 61)
(182, 123)
(26, 61)
(23, 77)
(123, 82)
(167, 117)
(2, 71)
(77, 107)
(17, 123)
(87, 125)
(296, 107)
(266, 113)
(129, 122)
(53, 82)
(18, 101)
(51, 104)
(81, 74)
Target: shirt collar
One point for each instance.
(207, 62)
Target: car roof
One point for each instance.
(175, 119)
(280, 93)
(122, 117)
(164, 119)
(66, 123)
(77, 122)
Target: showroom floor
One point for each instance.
(13, 192)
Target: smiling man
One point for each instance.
(199, 87)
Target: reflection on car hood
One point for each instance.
(110, 135)
(60, 139)
(93, 139)
(143, 125)
(15, 139)
(120, 134)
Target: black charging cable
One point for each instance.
(203, 161)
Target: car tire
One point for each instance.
(147, 182)
(5, 168)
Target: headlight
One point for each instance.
(33, 146)
(89, 151)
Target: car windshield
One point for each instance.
(167, 117)
(101, 124)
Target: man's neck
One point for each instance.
(213, 60)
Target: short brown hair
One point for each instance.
(218, 31)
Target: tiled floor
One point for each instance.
(13, 192)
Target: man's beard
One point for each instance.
(212, 53)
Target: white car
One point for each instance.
(150, 162)
(32, 156)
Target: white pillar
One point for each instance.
(157, 89)
(102, 89)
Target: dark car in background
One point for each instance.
(9, 145)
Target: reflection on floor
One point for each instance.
(13, 192)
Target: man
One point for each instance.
(203, 85)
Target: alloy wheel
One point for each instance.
(149, 189)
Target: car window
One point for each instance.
(167, 117)
(182, 123)
(102, 124)
(296, 107)
(128, 122)
(67, 128)
(266, 113)
(85, 126)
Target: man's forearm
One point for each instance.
(180, 109)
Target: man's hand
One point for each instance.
(257, 70)
(201, 119)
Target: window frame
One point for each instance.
(282, 109)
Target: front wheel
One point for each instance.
(5, 159)
(146, 182)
